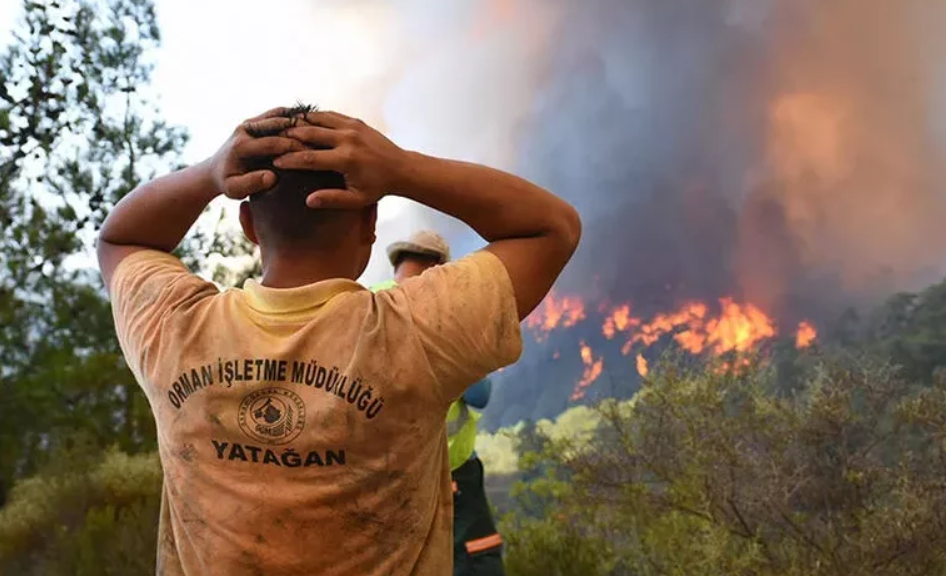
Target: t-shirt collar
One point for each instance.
(294, 300)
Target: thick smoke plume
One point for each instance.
(786, 153)
(781, 152)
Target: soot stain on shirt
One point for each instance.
(188, 452)
(214, 420)
(251, 559)
(367, 520)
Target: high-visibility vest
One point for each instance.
(461, 433)
(461, 420)
(386, 285)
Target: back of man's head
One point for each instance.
(281, 221)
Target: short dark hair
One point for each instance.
(280, 213)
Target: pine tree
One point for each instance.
(79, 129)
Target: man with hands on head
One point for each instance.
(301, 419)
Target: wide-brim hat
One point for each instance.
(425, 243)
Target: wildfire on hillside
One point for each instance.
(554, 312)
(806, 335)
(731, 328)
(593, 368)
(619, 320)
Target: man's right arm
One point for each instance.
(531, 231)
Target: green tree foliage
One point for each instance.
(92, 513)
(78, 131)
(910, 329)
(707, 473)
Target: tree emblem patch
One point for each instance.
(272, 415)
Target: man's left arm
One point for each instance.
(477, 395)
(157, 215)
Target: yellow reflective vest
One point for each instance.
(461, 433)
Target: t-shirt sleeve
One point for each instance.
(147, 288)
(465, 316)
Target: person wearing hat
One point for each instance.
(477, 546)
(409, 258)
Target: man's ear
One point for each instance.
(246, 221)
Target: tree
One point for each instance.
(78, 130)
(910, 329)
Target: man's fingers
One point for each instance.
(334, 199)
(260, 127)
(328, 119)
(311, 160)
(315, 135)
(243, 185)
(268, 146)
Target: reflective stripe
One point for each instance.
(481, 544)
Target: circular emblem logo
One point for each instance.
(272, 415)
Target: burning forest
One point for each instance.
(747, 171)
(726, 329)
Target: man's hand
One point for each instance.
(368, 161)
(158, 214)
(231, 165)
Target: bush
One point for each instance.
(709, 471)
(91, 515)
(553, 547)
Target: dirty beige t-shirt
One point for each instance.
(301, 430)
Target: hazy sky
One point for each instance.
(224, 60)
(467, 78)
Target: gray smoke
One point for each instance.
(782, 152)
(785, 152)
(788, 153)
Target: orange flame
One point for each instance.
(618, 321)
(738, 328)
(552, 312)
(690, 315)
(806, 335)
(691, 340)
(735, 329)
(733, 366)
(593, 368)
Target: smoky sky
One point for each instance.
(787, 153)
(781, 152)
